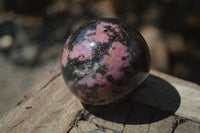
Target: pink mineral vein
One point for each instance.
(64, 57)
(87, 80)
(65, 53)
(82, 49)
(100, 79)
(66, 43)
(99, 34)
(114, 60)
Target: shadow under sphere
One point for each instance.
(154, 100)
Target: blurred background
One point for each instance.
(32, 34)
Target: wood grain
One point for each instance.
(162, 103)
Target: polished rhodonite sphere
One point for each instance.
(104, 60)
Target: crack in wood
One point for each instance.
(177, 122)
(187, 119)
(51, 80)
(86, 116)
(57, 111)
(22, 101)
(78, 117)
(194, 121)
(29, 107)
(148, 128)
(83, 115)
(17, 124)
(128, 116)
(104, 129)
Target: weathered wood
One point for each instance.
(162, 104)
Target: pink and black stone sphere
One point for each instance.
(104, 60)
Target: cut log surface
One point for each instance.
(161, 104)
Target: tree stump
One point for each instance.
(161, 104)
